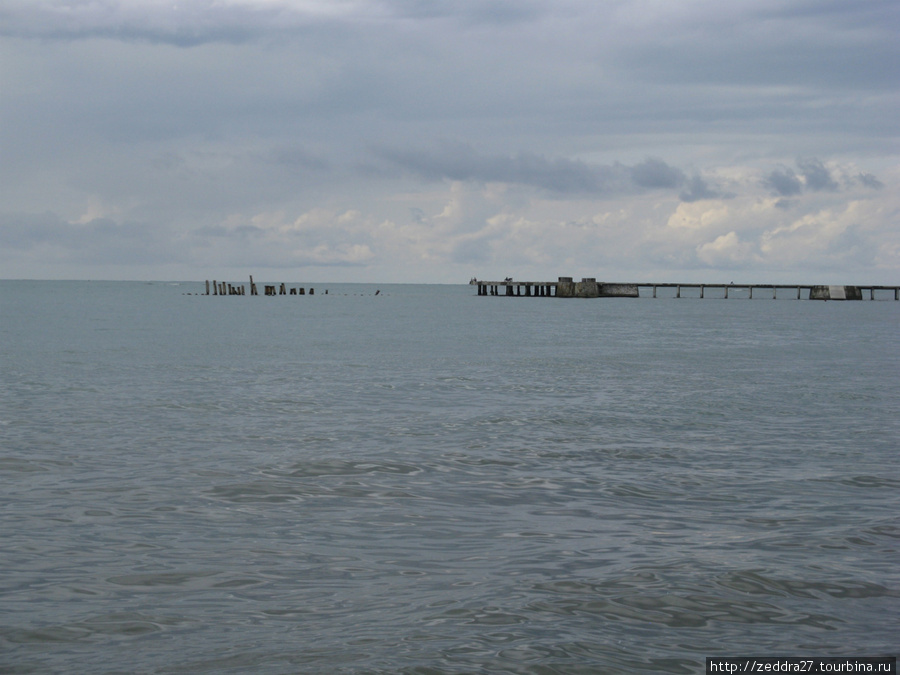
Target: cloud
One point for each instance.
(467, 11)
(816, 176)
(869, 181)
(727, 250)
(317, 238)
(97, 241)
(783, 182)
(460, 162)
(189, 23)
(834, 45)
(690, 216)
(830, 237)
(655, 173)
(697, 189)
(186, 23)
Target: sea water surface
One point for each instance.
(425, 481)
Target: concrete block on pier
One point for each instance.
(619, 291)
(835, 293)
(586, 288)
(565, 288)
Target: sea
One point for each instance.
(416, 479)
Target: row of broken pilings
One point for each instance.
(224, 288)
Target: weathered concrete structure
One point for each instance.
(619, 291)
(835, 293)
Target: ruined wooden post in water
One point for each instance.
(225, 288)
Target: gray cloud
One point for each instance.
(784, 182)
(869, 181)
(816, 175)
(468, 11)
(698, 189)
(823, 44)
(559, 175)
(183, 24)
(655, 173)
(461, 162)
(98, 241)
(191, 23)
(813, 176)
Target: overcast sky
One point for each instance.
(432, 140)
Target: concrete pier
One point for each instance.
(589, 287)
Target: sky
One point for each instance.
(430, 141)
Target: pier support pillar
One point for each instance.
(678, 291)
(798, 292)
(750, 294)
(726, 292)
(701, 291)
(654, 291)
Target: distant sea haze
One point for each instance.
(425, 480)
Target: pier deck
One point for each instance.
(591, 288)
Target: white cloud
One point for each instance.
(695, 216)
(727, 250)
